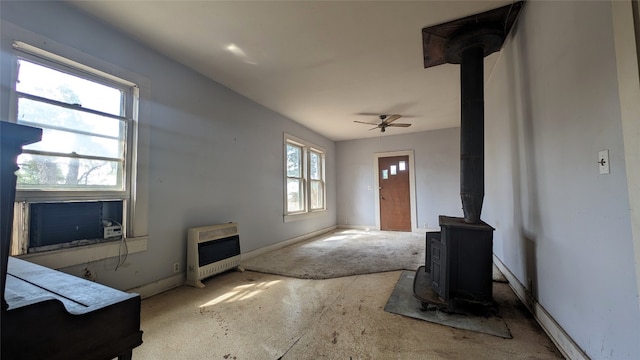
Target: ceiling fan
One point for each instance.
(385, 122)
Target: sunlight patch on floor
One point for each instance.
(240, 293)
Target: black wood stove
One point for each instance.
(457, 275)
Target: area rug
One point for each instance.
(344, 253)
(402, 302)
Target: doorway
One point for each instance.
(395, 208)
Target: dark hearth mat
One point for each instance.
(403, 302)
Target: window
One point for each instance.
(84, 131)
(85, 157)
(304, 172)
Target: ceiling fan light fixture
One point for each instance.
(385, 121)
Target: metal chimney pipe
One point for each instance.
(472, 133)
(467, 41)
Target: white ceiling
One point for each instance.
(319, 63)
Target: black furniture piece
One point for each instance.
(47, 314)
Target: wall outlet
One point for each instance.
(88, 274)
(176, 267)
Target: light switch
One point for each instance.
(603, 162)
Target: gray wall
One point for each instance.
(564, 230)
(437, 175)
(213, 155)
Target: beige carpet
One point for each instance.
(344, 252)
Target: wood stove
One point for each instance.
(459, 258)
(461, 261)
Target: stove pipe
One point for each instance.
(472, 133)
(468, 47)
(466, 42)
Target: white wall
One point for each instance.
(213, 155)
(564, 230)
(437, 175)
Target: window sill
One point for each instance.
(304, 216)
(62, 258)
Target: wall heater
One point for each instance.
(211, 250)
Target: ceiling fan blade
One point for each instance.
(399, 125)
(391, 118)
(374, 128)
(363, 122)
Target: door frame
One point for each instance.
(412, 185)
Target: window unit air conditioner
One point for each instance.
(211, 250)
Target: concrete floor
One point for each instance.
(259, 316)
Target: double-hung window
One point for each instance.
(305, 177)
(80, 174)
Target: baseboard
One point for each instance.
(177, 280)
(159, 286)
(562, 340)
(253, 253)
(373, 228)
(357, 227)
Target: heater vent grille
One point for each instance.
(211, 250)
(208, 233)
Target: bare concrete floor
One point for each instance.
(259, 316)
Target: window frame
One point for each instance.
(307, 149)
(131, 99)
(321, 180)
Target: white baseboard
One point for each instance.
(159, 286)
(357, 227)
(373, 228)
(562, 340)
(281, 244)
(177, 280)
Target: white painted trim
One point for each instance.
(624, 37)
(304, 216)
(370, 227)
(307, 147)
(253, 253)
(357, 227)
(560, 338)
(412, 185)
(159, 286)
(58, 259)
(68, 62)
(178, 280)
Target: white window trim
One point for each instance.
(40, 56)
(138, 207)
(307, 213)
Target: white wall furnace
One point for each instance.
(211, 250)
